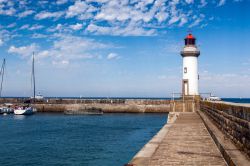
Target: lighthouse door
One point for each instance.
(185, 88)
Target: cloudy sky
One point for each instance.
(123, 47)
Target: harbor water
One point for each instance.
(237, 100)
(57, 139)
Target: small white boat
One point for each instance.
(38, 97)
(214, 98)
(24, 111)
(1, 110)
(6, 110)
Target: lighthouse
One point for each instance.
(190, 54)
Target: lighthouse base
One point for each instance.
(191, 97)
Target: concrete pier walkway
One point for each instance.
(186, 143)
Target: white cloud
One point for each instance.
(25, 26)
(129, 30)
(203, 3)
(197, 21)
(174, 19)
(58, 27)
(23, 51)
(76, 27)
(64, 48)
(1, 42)
(221, 2)
(183, 21)
(76, 9)
(189, 1)
(115, 17)
(11, 25)
(112, 56)
(35, 27)
(69, 48)
(60, 2)
(5, 35)
(72, 47)
(22, 3)
(44, 15)
(161, 16)
(10, 11)
(38, 36)
(25, 13)
(122, 17)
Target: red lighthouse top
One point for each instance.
(190, 36)
(190, 39)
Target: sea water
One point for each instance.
(237, 100)
(57, 139)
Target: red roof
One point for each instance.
(190, 36)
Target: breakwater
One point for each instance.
(105, 105)
(215, 133)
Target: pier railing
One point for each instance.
(187, 103)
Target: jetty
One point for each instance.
(59, 105)
(216, 133)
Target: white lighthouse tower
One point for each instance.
(190, 54)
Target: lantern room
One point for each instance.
(190, 40)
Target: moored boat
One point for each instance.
(6, 109)
(214, 98)
(38, 97)
(26, 110)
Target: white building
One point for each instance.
(190, 79)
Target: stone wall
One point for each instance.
(106, 105)
(88, 101)
(232, 120)
(110, 105)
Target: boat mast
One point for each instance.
(33, 78)
(2, 74)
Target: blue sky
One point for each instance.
(123, 48)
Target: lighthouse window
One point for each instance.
(185, 69)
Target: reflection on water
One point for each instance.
(57, 139)
(19, 117)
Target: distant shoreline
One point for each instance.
(228, 99)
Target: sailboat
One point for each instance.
(28, 109)
(2, 76)
(6, 107)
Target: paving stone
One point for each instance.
(187, 143)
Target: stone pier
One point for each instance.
(213, 135)
(186, 143)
